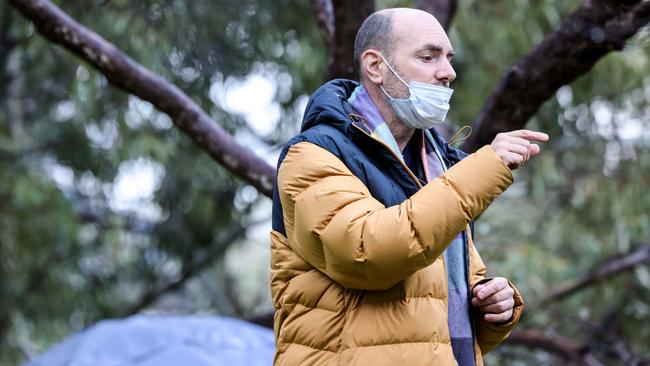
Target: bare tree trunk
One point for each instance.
(339, 21)
(443, 10)
(595, 29)
(348, 16)
(325, 20)
(128, 75)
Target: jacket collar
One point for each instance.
(330, 104)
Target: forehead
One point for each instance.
(413, 31)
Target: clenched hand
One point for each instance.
(495, 299)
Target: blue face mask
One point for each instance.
(427, 104)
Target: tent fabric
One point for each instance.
(145, 340)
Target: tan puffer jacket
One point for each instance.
(357, 283)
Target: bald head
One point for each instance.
(382, 29)
(408, 18)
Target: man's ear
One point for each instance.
(370, 65)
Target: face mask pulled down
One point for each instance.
(427, 104)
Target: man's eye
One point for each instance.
(426, 58)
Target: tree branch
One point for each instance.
(443, 10)
(595, 29)
(605, 336)
(348, 16)
(190, 269)
(557, 344)
(604, 270)
(134, 78)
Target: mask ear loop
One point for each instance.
(382, 89)
(454, 139)
(391, 69)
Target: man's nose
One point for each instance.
(446, 73)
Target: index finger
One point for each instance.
(529, 135)
(491, 288)
(478, 288)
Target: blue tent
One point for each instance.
(164, 341)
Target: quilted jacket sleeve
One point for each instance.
(333, 222)
(489, 335)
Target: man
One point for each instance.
(372, 258)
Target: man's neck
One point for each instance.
(398, 129)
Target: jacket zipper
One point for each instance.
(465, 232)
(466, 235)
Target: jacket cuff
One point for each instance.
(498, 164)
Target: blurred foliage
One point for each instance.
(75, 247)
(76, 243)
(583, 199)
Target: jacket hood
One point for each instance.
(329, 104)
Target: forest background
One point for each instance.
(121, 193)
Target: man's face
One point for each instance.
(422, 52)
